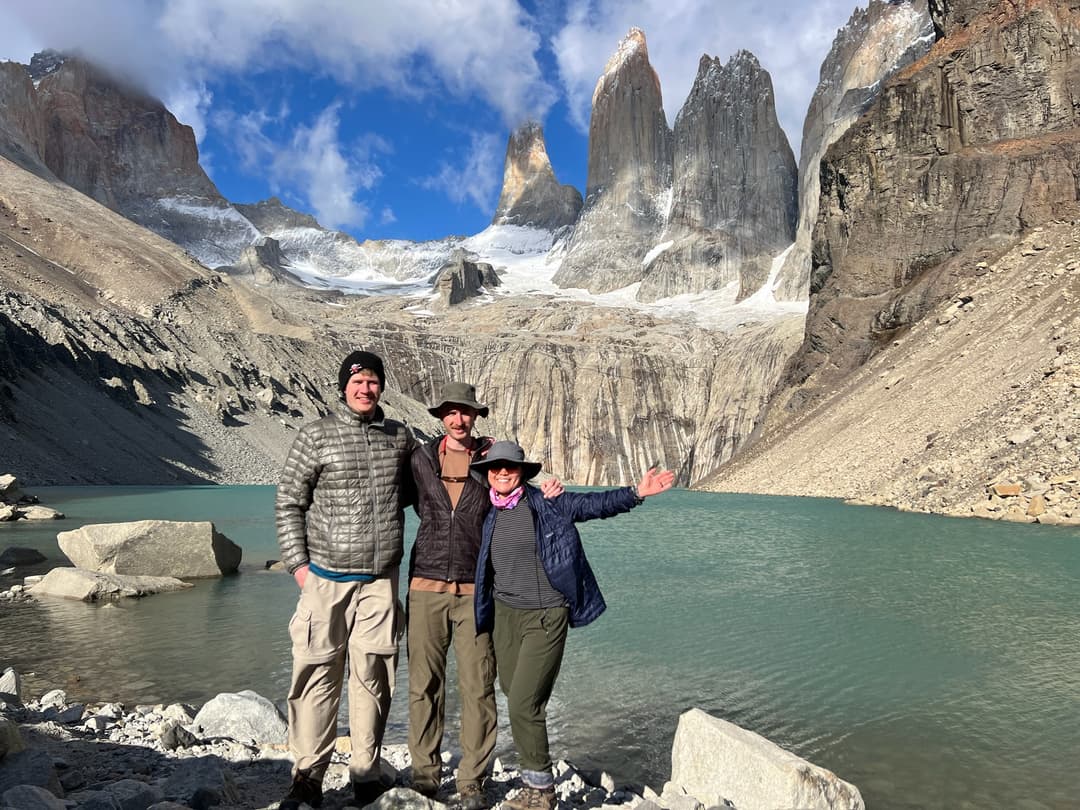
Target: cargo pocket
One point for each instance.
(310, 632)
(300, 630)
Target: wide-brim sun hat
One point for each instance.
(506, 451)
(458, 393)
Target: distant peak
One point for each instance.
(45, 62)
(631, 46)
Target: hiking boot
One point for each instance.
(364, 793)
(304, 790)
(471, 797)
(530, 798)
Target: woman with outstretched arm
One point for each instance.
(533, 583)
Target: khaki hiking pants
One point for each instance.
(436, 619)
(331, 619)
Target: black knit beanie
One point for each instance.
(360, 360)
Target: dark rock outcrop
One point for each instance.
(629, 176)
(264, 263)
(113, 142)
(531, 195)
(985, 128)
(876, 43)
(461, 279)
(733, 202)
(273, 215)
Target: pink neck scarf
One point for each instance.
(506, 501)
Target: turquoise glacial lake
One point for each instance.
(934, 662)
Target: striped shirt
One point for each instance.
(520, 581)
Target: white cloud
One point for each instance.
(328, 173)
(477, 175)
(789, 39)
(191, 104)
(314, 164)
(483, 48)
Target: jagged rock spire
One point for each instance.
(629, 174)
(734, 203)
(531, 195)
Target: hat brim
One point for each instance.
(529, 469)
(481, 410)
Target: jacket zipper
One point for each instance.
(377, 545)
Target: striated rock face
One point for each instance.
(876, 43)
(22, 127)
(629, 176)
(733, 202)
(121, 360)
(600, 394)
(984, 128)
(531, 195)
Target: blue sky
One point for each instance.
(390, 120)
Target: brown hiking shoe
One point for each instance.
(471, 797)
(530, 798)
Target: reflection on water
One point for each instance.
(932, 662)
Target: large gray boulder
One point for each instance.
(10, 490)
(10, 739)
(38, 512)
(11, 685)
(31, 797)
(244, 716)
(159, 548)
(93, 586)
(716, 760)
(29, 767)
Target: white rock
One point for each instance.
(716, 760)
(162, 548)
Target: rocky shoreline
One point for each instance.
(56, 754)
(229, 754)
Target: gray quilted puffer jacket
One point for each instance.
(342, 491)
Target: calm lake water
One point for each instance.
(933, 662)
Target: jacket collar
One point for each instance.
(347, 414)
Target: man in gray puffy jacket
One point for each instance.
(340, 523)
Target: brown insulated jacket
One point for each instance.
(448, 539)
(343, 488)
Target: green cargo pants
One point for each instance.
(529, 650)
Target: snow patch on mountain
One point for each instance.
(526, 264)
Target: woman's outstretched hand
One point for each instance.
(551, 488)
(654, 482)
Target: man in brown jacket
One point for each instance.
(452, 502)
(340, 529)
